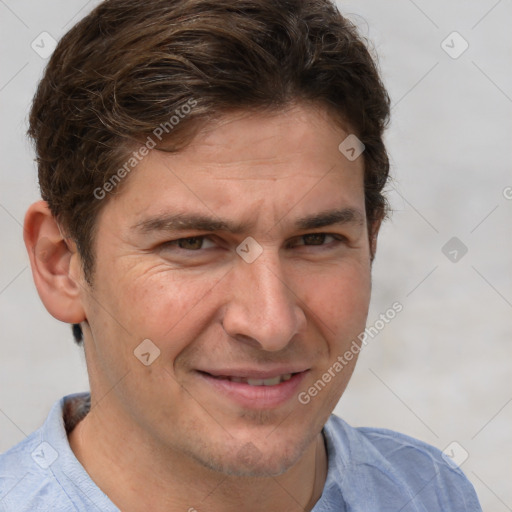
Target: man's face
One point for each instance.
(221, 322)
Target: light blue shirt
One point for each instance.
(370, 470)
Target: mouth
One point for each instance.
(254, 389)
(272, 381)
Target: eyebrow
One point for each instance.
(191, 221)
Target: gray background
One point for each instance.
(441, 370)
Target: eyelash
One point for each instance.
(337, 238)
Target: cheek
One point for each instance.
(161, 305)
(339, 301)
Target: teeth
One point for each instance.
(256, 382)
(274, 381)
(263, 382)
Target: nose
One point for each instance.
(262, 310)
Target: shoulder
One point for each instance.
(26, 478)
(394, 463)
(29, 480)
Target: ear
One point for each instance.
(373, 232)
(55, 265)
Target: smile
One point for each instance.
(254, 389)
(274, 381)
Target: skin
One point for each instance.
(159, 437)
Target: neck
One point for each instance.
(138, 476)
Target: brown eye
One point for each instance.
(324, 240)
(191, 244)
(314, 239)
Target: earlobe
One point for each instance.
(55, 264)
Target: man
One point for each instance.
(212, 177)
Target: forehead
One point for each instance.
(253, 165)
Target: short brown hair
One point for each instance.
(129, 66)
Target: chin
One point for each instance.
(249, 460)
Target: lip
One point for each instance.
(254, 397)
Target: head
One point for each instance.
(166, 134)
